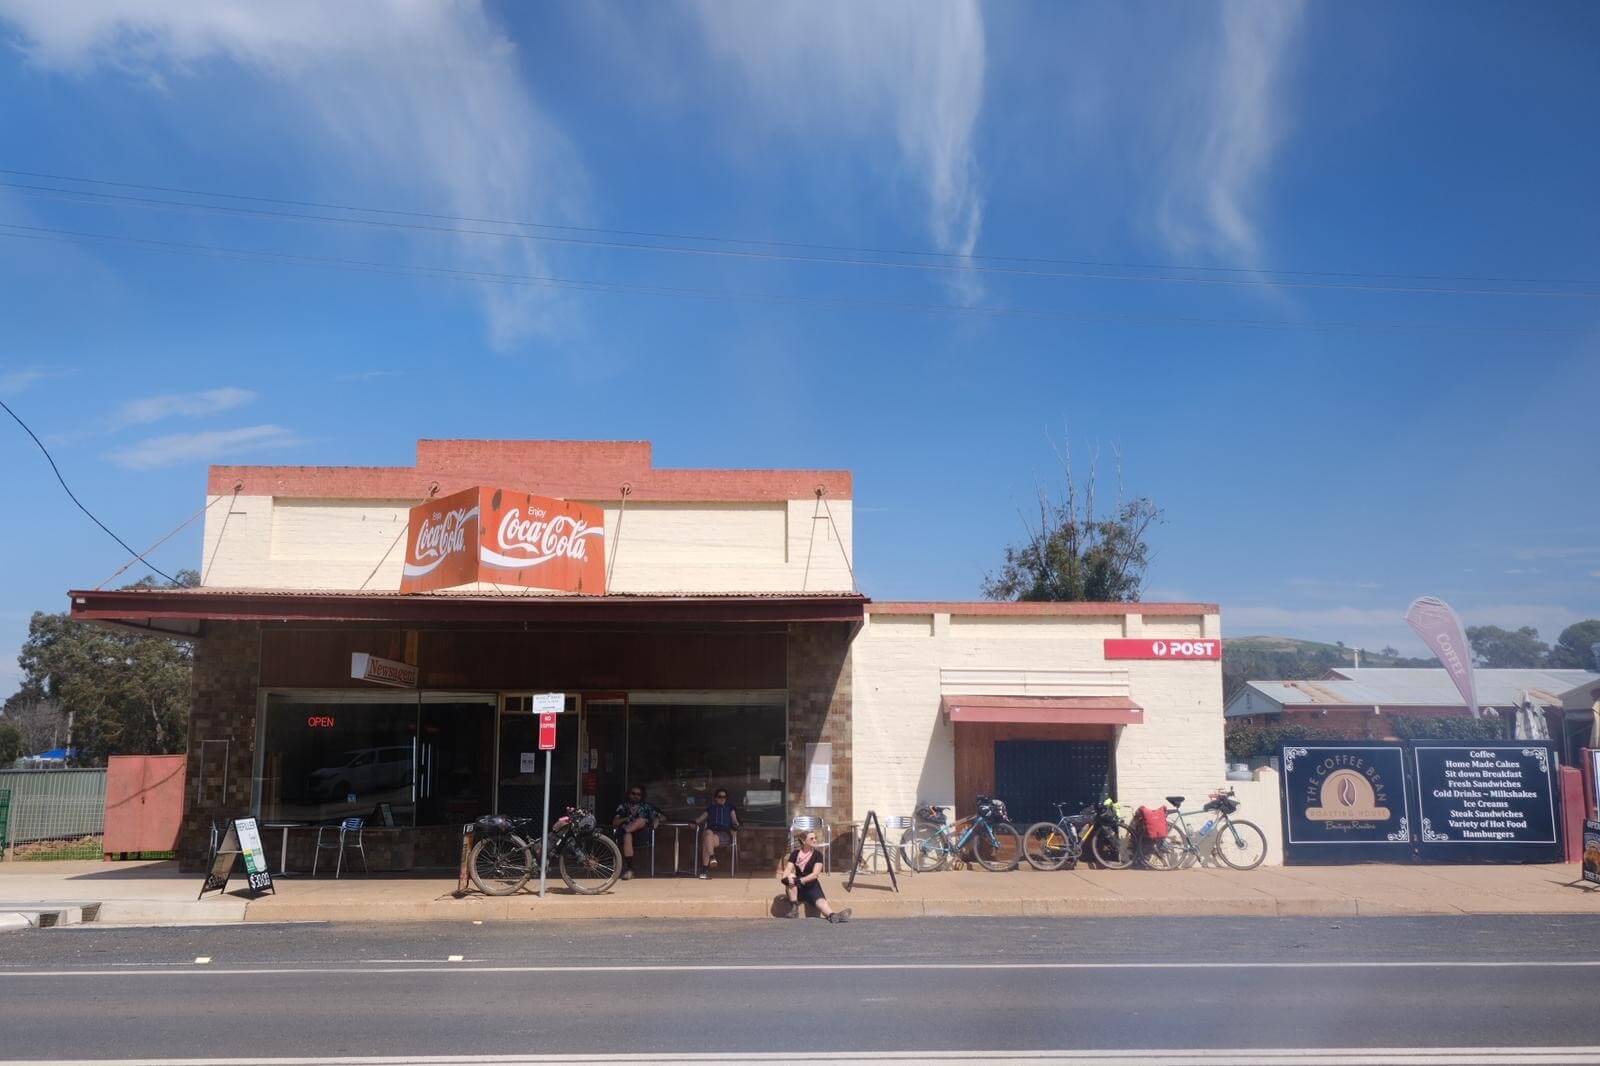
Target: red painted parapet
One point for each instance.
(1572, 812)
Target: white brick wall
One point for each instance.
(904, 749)
(265, 542)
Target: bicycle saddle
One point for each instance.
(1176, 801)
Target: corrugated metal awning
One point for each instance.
(1044, 710)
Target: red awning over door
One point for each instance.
(1044, 710)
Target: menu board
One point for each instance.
(1486, 802)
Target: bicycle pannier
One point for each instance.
(1155, 822)
(492, 825)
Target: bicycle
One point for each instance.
(1234, 842)
(502, 861)
(995, 842)
(1097, 829)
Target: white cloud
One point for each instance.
(207, 446)
(1226, 132)
(15, 381)
(425, 93)
(914, 70)
(183, 404)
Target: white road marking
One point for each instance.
(455, 958)
(202, 960)
(1422, 1056)
(165, 970)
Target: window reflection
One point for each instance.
(683, 747)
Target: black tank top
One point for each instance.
(794, 860)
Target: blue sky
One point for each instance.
(1220, 217)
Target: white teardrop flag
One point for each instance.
(1440, 630)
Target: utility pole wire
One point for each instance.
(73, 496)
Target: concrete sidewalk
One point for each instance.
(146, 893)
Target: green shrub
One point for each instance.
(1419, 727)
(1244, 742)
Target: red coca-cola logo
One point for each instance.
(537, 536)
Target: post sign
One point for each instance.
(549, 702)
(1492, 802)
(547, 732)
(242, 839)
(504, 537)
(1345, 803)
(364, 667)
(1156, 648)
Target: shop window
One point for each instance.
(682, 747)
(392, 758)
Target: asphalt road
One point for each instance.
(775, 990)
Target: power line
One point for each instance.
(44, 233)
(951, 262)
(74, 498)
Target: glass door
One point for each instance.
(521, 764)
(455, 758)
(605, 756)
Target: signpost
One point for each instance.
(547, 705)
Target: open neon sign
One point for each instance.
(319, 721)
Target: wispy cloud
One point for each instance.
(1326, 583)
(1227, 133)
(15, 381)
(914, 71)
(181, 404)
(428, 93)
(202, 447)
(1573, 551)
(369, 375)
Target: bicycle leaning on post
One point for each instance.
(1097, 830)
(1232, 841)
(934, 844)
(503, 859)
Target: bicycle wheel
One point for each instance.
(997, 847)
(1241, 845)
(927, 849)
(1046, 846)
(1169, 853)
(591, 864)
(500, 865)
(1112, 848)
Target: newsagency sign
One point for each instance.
(1345, 803)
(1486, 802)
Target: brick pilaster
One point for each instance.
(222, 733)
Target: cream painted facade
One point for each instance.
(267, 542)
(904, 663)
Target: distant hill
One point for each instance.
(1267, 658)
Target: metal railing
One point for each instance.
(55, 804)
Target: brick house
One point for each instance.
(726, 647)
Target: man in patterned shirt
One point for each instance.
(633, 814)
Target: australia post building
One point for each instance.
(368, 642)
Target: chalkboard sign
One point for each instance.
(243, 839)
(1345, 803)
(1486, 802)
(1591, 852)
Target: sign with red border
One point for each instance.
(1163, 648)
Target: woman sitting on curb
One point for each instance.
(802, 879)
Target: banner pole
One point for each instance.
(544, 827)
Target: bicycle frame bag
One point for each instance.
(1155, 822)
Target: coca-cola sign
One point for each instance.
(502, 537)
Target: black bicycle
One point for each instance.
(502, 860)
(1097, 829)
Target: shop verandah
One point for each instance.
(679, 694)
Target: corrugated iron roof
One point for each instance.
(1407, 687)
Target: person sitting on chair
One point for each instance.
(721, 821)
(633, 814)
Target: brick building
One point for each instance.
(719, 642)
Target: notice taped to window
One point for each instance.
(1486, 796)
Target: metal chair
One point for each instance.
(807, 824)
(349, 829)
(733, 850)
(895, 828)
(642, 838)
